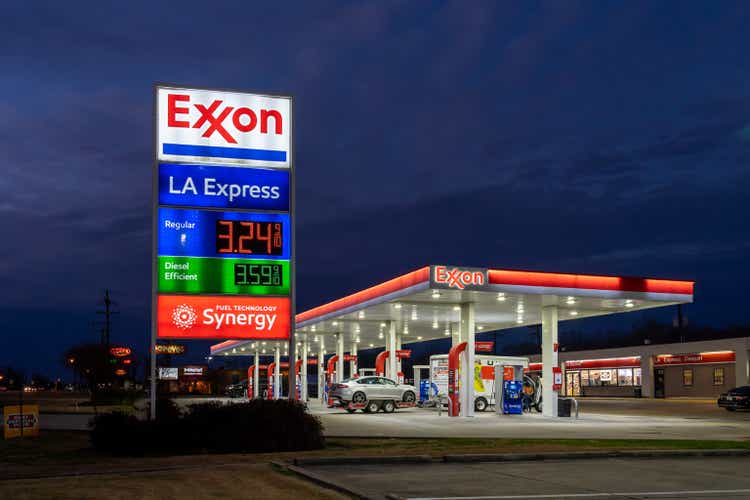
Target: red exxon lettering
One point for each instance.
(242, 120)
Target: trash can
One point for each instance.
(563, 407)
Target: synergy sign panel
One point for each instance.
(223, 127)
(223, 264)
(211, 317)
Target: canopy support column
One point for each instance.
(549, 359)
(303, 372)
(392, 367)
(340, 361)
(467, 326)
(277, 372)
(353, 362)
(256, 374)
(321, 368)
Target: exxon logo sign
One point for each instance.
(458, 278)
(229, 127)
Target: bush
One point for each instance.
(253, 427)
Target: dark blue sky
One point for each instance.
(601, 137)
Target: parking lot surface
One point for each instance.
(703, 478)
(610, 420)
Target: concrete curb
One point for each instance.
(326, 483)
(516, 457)
(394, 459)
(587, 455)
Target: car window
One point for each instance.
(365, 381)
(745, 389)
(386, 381)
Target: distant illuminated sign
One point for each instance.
(214, 186)
(120, 372)
(193, 371)
(168, 373)
(169, 349)
(458, 278)
(202, 233)
(120, 352)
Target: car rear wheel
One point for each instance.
(389, 407)
(372, 407)
(359, 398)
(480, 404)
(408, 397)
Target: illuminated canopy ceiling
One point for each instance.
(424, 304)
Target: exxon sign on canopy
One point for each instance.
(223, 127)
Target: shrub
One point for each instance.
(252, 427)
(120, 433)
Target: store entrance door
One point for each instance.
(659, 383)
(573, 384)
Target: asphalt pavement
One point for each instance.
(636, 478)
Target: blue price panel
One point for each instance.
(201, 233)
(223, 187)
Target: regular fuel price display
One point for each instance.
(202, 233)
(249, 237)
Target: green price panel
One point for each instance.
(222, 275)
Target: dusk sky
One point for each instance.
(593, 137)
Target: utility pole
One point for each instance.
(107, 312)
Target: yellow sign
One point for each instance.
(13, 418)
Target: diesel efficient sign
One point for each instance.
(223, 127)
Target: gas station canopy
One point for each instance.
(426, 304)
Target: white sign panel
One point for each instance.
(223, 127)
(168, 373)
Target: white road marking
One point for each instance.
(591, 495)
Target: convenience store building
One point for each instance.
(701, 369)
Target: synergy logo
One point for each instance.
(457, 278)
(212, 317)
(223, 187)
(238, 127)
(183, 316)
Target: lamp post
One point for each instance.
(71, 362)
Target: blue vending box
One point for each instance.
(512, 397)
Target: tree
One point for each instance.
(91, 362)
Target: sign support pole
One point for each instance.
(292, 262)
(154, 258)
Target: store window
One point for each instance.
(625, 376)
(718, 376)
(636, 376)
(687, 377)
(585, 378)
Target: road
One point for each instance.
(692, 478)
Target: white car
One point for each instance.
(374, 392)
